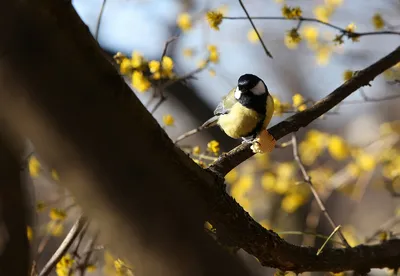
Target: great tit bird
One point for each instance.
(245, 111)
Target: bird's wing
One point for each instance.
(226, 104)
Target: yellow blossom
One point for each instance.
(347, 75)
(184, 22)
(232, 176)
(268, 181)
(350, 29)
(214, 19)
(212, 72)
(291, 13)
(34, 166)
(57, 214)
(390, 128)
(200, 163)
(365, 161)
(252, 36)
(378, 21)
(213, 53)
(196, 150)
(55, 228)
(119, 57)
(302, 107)
(125, 66)
(154, 66)
(91, 268)
(54, 175)
(338, 40)
(64, 265)
(351, 235)
(168, 120)
(213, 146)
(208, 226)
(137, 60)
(310, 34)
(338, 148)
(293, 38)
(202, 63)
(312, 146)
(323, 12)
(167, 63)
(292, 202)
(323, 55)
(188, 52)
(163, 69)
(334, 3)
(280, 107)
(285, 170)
(40, 206)
(29, 233)
(297, 100)
(245, 182)
(140, 82)
(353, 169)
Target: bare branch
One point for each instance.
(255, 29)
(65, 245)
(301, 19)
(99, 18)
(301, 119)
(307, 179)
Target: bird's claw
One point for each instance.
(264, 142)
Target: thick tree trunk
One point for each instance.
(59, 90)
(14, 246)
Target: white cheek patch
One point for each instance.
(238, 93)
(259, 89)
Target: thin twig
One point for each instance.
(307, 179)
(371, 100)
(343, 30)
(96, 34)
(391, 222)
(328, 239)
(255, 29)
(164, 52)
(313, 218)
(88, 254)
(60, 252)
(283, 233)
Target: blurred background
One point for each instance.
(352, 153)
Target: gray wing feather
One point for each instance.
(226, 104)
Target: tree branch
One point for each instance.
(65, 245)
(120, 165)
(230, 160)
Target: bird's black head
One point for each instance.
(249, 83)
(252, 92)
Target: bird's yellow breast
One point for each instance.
(239, 122)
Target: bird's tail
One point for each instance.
(210, 122)
(213, 121)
